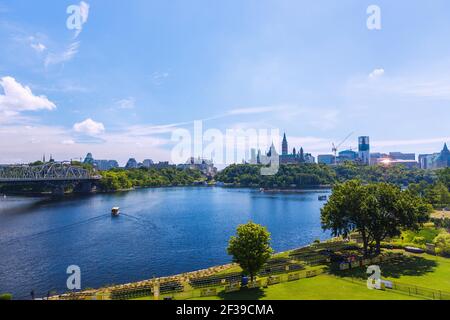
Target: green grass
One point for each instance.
(418, 270)
(324, 287)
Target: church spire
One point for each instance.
(445, 148)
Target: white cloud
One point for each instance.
(377, 73)
(66, 55)
(89, 127)
(38, 47)
(417, 86)
(18, 98)
(27, 143)
(159, 77)
(68, 142)
(128, 103)
(255, 110)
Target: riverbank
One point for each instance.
(312, 282)
(104, 293)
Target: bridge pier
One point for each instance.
(58, 191)
(84, 187)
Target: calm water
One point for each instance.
(161, 232)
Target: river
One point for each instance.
(160, 232)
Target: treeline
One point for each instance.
(318, 174)
(434, 186)
(288, 176)
(121, 179)
(436, 193)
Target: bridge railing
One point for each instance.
(51, 171)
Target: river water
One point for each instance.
(161, 232)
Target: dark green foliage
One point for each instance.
(307, 175)
(288, 176)
(120, 179)
(377, 211)
(6, 296)
(250, 248)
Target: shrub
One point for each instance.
(419, 240)
(442, 243)
(6, 296)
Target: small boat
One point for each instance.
(115, 212)
(323, 198)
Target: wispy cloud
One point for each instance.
(412, 142)
(127, 103)
(254, 110)
(38, 47)
(158, 78)
(411, 86)
(64, 56)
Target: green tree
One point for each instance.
(444, 177)
(438, 195)
(250, 248)
(346, 211)
(390, 210)
(442, 243)
(376, 211)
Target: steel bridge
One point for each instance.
(56, 175)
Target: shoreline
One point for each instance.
(182, 277)
(319, 188)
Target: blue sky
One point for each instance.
(139, 69)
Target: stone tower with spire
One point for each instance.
(285, 147)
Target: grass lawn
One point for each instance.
(419, 270)
(324, 287)
(416, 270)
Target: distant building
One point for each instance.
(285, 146)
(101, 165)
(161, 165)
(375, 158)
(89, 159)
(253, 157)
(364, 150)
(147, 163)
(436, 160)
(295, 157)
(402, 156)
(347, 155)
(131, 164)
(309, 158)
(203, 165)
(327, 159)
(410, 164)
(104, 165)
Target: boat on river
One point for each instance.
(115, 212)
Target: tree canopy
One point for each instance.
(376, 211)
(250, 248)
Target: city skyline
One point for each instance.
(317, 73)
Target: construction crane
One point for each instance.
(336, 147)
